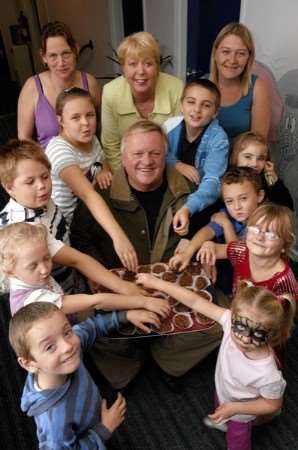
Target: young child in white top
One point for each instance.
(25, 259)
(74, 155)
(248, 383)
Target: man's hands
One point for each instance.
(112, 417)
(157, 305)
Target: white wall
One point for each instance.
(167, 20)
(88, 20)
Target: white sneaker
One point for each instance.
(217, 426)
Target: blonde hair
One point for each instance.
(240, 30)
(283, 220)
(278, 312)
(141, 44)
(243, 140)
(13, 236)
(22, 322)
(143, 126)
(17, 150)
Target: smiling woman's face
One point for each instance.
(231, 57)
(141, 73)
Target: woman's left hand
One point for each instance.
(104, 178)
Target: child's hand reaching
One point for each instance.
(181, 221)
(148, 281)
(104, 178)
(112, 417)
(180, 261)
(141, 318)
(270, 174)
(126, 252)
(207, 253)
(188, 171)
(159, 306)
(182, 244)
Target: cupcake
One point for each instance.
(182, 321)
(169, 276)
(159, 268)
(180, 307)
(185, 279)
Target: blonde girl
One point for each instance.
(250, 149)
(263, 257)
(249, 386)
(75, 156)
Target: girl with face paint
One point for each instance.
(249, 386)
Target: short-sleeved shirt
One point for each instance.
(280, 283)
(58, 233)
(21, 294)
(63, 154)
(238, 378)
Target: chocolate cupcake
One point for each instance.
(166, 326)
(172, 301)
(194, 268)
(201, 319)
(180, 307)
(129, 276)
(185, 279)
(206, 295)
(144, 269)
(169, 276)
(200, 282)
(159, 268)
(182, 321)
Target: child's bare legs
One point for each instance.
(112, 417)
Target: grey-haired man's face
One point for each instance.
(144, 160)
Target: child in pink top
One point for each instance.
(262, 258)
(249, 385)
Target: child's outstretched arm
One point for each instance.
(92, 269)
(110, 302)
(259, 407)
(183, 295)
(181, 260)
(82, 188)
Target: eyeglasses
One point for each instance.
(269, 235)
(66, 55)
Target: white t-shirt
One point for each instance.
(22, 294)
(238, 378)
(62, 154)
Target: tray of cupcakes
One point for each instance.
(181, 319)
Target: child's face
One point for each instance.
(241, 199)
(198, 107)
(54, 347)
(78, 121)
(254, 155)
(32, 185)
(33, 264)
(263, 241)
(247, 330)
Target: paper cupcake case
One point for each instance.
(181, 318)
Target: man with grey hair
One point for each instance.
(144, 197)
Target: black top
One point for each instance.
(187, 150)
(151, 202)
